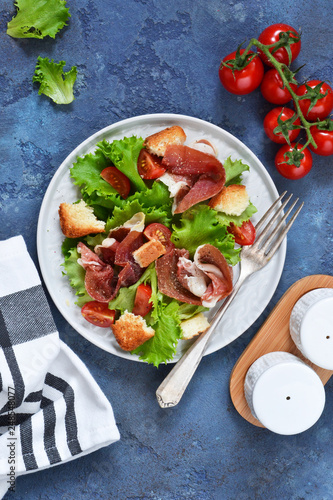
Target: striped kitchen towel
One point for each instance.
(51, 408)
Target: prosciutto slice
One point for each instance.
(168, 281)
(203, 282)
(205, 172)
(210, 260)
(99, 281)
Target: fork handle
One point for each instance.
(175, 383)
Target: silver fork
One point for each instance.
(253, 258)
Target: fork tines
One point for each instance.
(279, 230)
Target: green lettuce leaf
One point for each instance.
(126, 296)
(238, 220)
(121, 215)
(187, 311)
(53, 81)
(162, 347)
(38, 18)
(86, 173)
(156, 196)
(124, 155)
(233, 171)
(199, 225)
(76, 275)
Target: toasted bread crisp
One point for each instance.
(148, 252)
(193, 326)
(232, 200)
(156, 144)
(78, 219)
(131, 331)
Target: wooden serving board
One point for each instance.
(274, 336)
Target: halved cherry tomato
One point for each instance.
(273, 90)
(117, 179)
(271, 35)
(149, 166)
(271, 122)
(315, 108)
(98, 313)
(142, 304)
(244, 234)
(157, 231)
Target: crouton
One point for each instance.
(148, 252)
(78, 219)
(232, 200)
(156, 144)
(131, 331)
(193, 326)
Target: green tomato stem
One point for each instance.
(306, 125)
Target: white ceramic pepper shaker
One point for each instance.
(283, 393)
(311, 326)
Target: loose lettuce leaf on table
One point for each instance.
(38, 18)
(54, 83)
(199, 225)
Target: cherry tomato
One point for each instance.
(149, 166)
(271, 35)
(242, 81)
(157, 231)
(117, 179)
(98, 313)
(271, 122)
(324, 141)
(142, 304)
(322, 107)
(272, 88)
(244, 234)
(292, 171)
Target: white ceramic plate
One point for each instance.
(254, 295)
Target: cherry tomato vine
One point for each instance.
(313, 100)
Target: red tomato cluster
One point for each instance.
(282, 124)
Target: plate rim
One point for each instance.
(94, 138)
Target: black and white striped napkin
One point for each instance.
(51, 408)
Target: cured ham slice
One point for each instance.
(168, 281)
(99, 281)
(210, 260)
(206, 174)
(203, 282)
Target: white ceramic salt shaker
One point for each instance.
(311, 326)
(283, 393)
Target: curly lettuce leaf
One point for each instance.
(76, 275)
(233, 171)
(38, 18)
(238, 220)
(124, 155)
(156, 196)
(187, 311)
(162, 347)
(198, 226)
(54, 83)
(121, 215)
(86, 173)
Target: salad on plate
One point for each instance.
(151, 244)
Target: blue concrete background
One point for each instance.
(136, 57)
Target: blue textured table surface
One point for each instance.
(136, 57)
